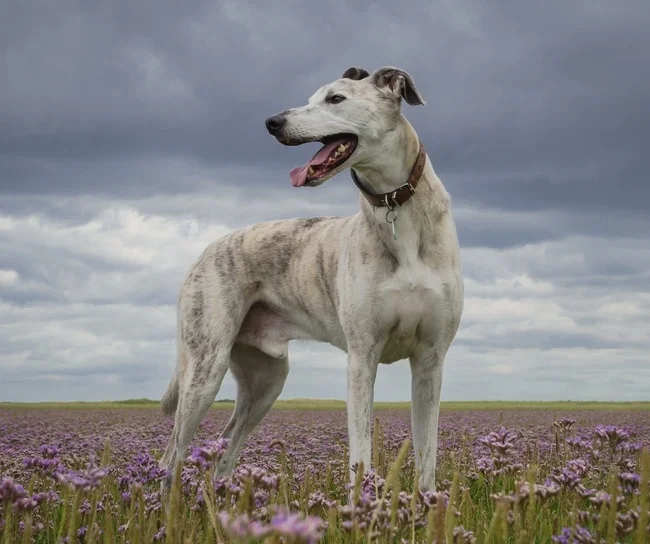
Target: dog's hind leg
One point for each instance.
(200, 374)
(212, 305)
(260, 379)
(169, 405)
(197, 395)
(168, 459)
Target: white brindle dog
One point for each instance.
(383, 285)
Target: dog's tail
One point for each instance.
(169, 401)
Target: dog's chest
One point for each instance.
(413, 304)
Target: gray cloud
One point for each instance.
(547, 106)
(131, 135)
(88, 305)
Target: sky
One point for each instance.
(132, 135)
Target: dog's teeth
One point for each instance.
(310, 171)
(340, 149)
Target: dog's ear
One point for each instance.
(355, 73)
(400, 83)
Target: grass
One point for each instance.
(332, 404)
(299, 465)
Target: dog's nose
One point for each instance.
(275, 123)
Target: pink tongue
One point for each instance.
(299, 174)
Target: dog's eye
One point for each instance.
(335, 98)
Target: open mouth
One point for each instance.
(335, 151)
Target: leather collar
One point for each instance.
(395, 198)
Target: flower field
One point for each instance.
(516, 475)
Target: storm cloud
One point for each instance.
(131, 135)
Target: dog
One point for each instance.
(382, 285)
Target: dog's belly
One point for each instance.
(270, 330)
(417, 309)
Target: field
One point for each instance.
(507, 472)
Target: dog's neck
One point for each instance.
(388, 168)
(389, 161)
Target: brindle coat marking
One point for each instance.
(342, 280)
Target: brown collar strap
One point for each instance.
(400, 195)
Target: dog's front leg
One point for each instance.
(426, 382)
(362, 370)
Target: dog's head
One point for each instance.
(346, 116)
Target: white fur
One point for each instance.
(345, 281)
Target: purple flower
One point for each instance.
(318, 499)
(602, 497)
(208, 455)
(310, 466)
(579, 535)
(612, 435)
(295, 528)
(630, 448)
(11, 491)
(26, 504)
(85, 481)
(500, 441)
(142, 470)
(564, 424)
(461, 536)
(630, 481)
(542, 492)
(571, 475)
(242, 527)
(43, 464)
(160, 534)
(499, 454)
